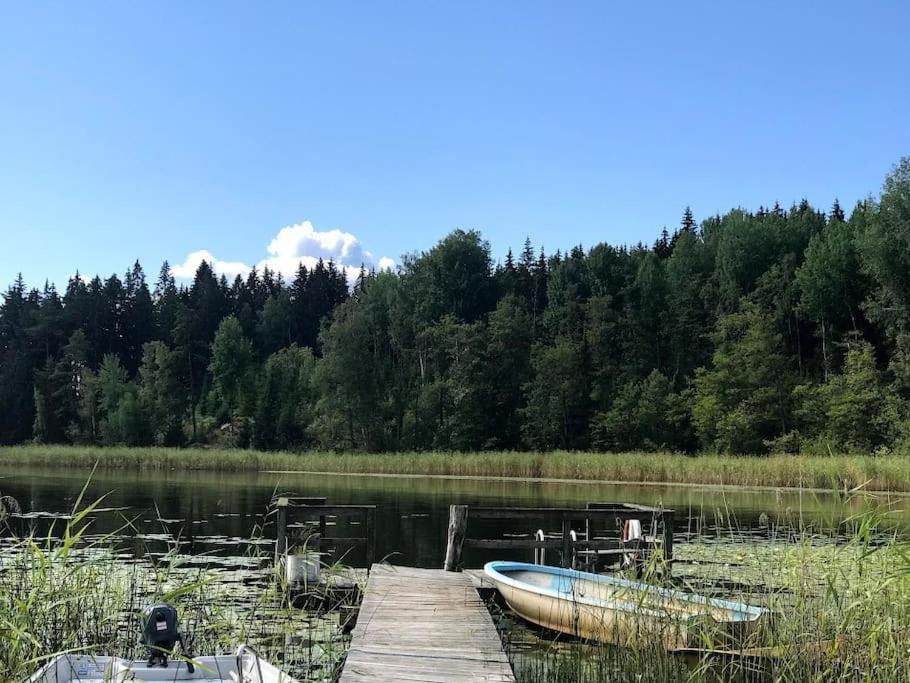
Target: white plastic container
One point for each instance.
(303, 568)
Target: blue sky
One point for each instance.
(155, 130)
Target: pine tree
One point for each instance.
(47, 330)
(17, 364)
(836, 214)
(507, 277)
(165, 284)
(361, 280)
(526, 263)
(138, 318)
(540, 278)
(165, 301)
(662, 247)
(75, 305)
(688, 223)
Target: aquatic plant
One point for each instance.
(72, 591)
(840, 473)
(840, 600)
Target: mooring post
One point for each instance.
(668, 517)
(281, 535)
(458, 523)
(566, 541)
(370, 534)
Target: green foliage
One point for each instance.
(454, 277)
(356, 408)
(829, 280)
(470, 383)
(231, 367)
(885, 250)
(162, 394)
(854, 410)
(743, 400)
(732, 334)
(557, 410)
(287, 394)
(122, 418)
(507, 362)
(687, 305)
(647, 416)
(568, 290)
(275, 330)
(73, 591)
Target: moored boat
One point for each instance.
(616, 610)
(243, 667)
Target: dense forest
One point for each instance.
(776, 330)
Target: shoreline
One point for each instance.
(840, 474)
(595, 482)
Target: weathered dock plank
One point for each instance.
(424, 625)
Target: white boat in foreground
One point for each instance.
(243, 667)
(614, 610)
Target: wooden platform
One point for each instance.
(424, 625)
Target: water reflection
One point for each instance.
(214, 513)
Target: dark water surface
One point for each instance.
(726, 539)
(218, 512)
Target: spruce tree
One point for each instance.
(688, 223)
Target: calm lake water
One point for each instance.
(220, 522)
(217, 513)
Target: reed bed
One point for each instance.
(839, 598)
(72, 591)
(836, 472)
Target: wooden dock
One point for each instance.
(424, 625)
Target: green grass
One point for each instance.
(841, 600)
(76, 592)
(840, 472)
(841, 612)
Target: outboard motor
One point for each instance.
(160, 633)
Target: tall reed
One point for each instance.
(72, 591)
(837, 472)
(840, 602)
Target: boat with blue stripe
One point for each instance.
(616, 610)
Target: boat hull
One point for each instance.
(210, 669)
(612, 610)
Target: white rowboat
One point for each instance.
(615, 610)
(244, 667)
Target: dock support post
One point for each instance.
(566, 541)
(370, 529)
(281, 535)
(458, 522)
(668, 517)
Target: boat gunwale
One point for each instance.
(201, 663)
(742, 612)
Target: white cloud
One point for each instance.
(187, 269)
(293, 245)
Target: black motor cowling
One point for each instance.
(161, 633)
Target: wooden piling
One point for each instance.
(281, 543)
(668, 517)
(369, 522)
(566, 541)
(458, 523)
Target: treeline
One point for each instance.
(775, 330)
